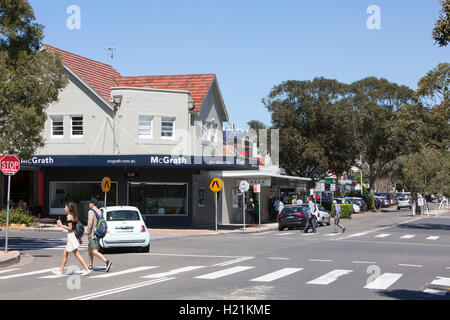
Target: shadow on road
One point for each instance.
(412, 295)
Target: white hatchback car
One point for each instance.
(323, 216)
(126, 228)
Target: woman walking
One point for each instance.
(72, 241)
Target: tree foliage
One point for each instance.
(389, 121)
(316, 123)
(441, 31)
(30, 79)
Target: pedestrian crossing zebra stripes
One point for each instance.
(439, 286)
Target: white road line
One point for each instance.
(330, 277)
(441, 281)
(383, 235)
(57, 276)
(408, 236)
(364, 262)
(435, 292)
(223, 273)
(119, 273)
(432, 238)
(26, 274)
(284, 234)
(277, 258)
(121, 289)
(411, 265)
(277, 275)
(384, 281)
(10, 270)
(172, 272)
(226, 263)
(319, 260)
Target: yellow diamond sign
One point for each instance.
(216, 185)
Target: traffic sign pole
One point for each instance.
(215, 205)
(7, 214)
(243, 207)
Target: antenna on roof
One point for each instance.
(110, 50)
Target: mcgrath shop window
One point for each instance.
(159, 198)
(79, 193)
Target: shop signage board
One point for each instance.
(9, 165)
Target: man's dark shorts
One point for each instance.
(93, 243)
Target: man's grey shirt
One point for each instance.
(337, 209)
(311, 207)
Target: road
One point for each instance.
(388, 255)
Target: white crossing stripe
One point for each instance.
(26, 274)
(441, 282)
(277, 275)
(223, 273)
(384, 281)
(121, 289)
(383, 235)
(172, 272)
(436, 292)
(10, 270)
(119, 273)
(284, 234)
(329, 277)
(432, 238)
(408, 236)
(226, 263)
(57, 276)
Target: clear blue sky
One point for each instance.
(252, 45)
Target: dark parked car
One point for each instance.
(293, 216)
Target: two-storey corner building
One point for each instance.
(147, 134)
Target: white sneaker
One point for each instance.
(85, 273)
(56, 272)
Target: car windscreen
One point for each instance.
(123, 215)
(294, 210)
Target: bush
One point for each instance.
(346, 211)
(16, 217)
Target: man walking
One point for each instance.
(310, 217)
(337, 217)
(93, 247)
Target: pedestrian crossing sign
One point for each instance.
(106, 184)
(216, 185)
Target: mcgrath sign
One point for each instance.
(10, 165)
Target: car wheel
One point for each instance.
(329, 221)
(280, 228)
(146, 249)
(398, 208)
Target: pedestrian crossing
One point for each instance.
(438, 286)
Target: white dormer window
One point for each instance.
(76, 126)
(57, 126)
(145, 127)
(167, 127)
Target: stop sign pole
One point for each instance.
(9, 165)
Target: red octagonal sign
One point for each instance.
(10, 165)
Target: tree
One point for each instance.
(30, 79)
(316, 127)
(441, 31)
(389, 119)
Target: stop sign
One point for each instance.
(10, 165)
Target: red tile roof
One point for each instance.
(197, 84)
(102, 77)
(99, 76)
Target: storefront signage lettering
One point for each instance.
(168, 160)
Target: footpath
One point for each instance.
(13, 257)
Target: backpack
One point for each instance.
(101, 227)
(79, 230)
